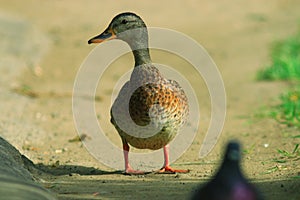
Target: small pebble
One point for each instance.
(266, 145)
(58, 151)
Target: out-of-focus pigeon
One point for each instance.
(229, 183)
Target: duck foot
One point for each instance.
(170, 170)
(130, 171)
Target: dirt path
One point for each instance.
(236, 34)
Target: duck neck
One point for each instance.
(141, 56)
(139, 46)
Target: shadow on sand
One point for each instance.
(73, 169)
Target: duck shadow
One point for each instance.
(73, 169)
(59, 170)
(83, 170)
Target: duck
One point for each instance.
(229, 183)
(147, 102)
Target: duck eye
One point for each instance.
(124, 21)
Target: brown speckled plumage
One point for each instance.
(171, 112)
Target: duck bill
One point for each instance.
(108, 34)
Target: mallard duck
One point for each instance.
(151, 98)
(229, 182)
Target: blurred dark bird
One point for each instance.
(229, 183)
(148, 99)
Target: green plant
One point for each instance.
(285, 61)
(288, 112)
(286, 156)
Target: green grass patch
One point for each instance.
(285, 64)
(286, 160)
(288, 112)
(288, 156)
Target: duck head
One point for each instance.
(128, 27)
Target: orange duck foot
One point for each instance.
(170, 170)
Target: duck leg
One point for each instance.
(128, 168)
(166, 168)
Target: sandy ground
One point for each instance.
(44, 44)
